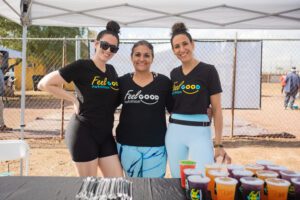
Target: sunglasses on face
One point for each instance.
(105, 45)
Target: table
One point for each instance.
(65, 188)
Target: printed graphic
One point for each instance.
(98, 83)
(138, 97)
(179, 88)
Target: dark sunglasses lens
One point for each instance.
(114, 49)
(104, 45)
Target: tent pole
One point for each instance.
(23, 81)
(23, 85)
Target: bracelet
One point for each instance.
(218, 145)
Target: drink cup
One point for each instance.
(226, 187)
(237, 174)
(254, 167)
(276, 168)
(185, 164)
(288, 174)
(188, 172)
(197, 187)
(214, 166)
(212, 174)
(264, 163)
(263, 175)
(232, 167)
(277, 188)
(251, 188)
(296, 185)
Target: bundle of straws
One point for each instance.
(94, 188)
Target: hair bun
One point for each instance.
(113, 27)
(179, 28)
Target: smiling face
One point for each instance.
(142, 58)
(105, 55)
(183, 48)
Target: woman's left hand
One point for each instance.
(220, 152)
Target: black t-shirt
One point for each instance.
(96, 91)
(191, 93)
(142, 119)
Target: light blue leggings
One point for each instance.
(139, 161)
(189, 142)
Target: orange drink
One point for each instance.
(212, 174)
(264, 174)
(254, 167)
(226, 187)
(277, 188)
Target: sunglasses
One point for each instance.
(105, 45)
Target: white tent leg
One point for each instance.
(23, 81)
(23, 86)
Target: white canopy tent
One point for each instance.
(216, 14)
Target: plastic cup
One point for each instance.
(188, 172)
(254, 167)
(214, 166)
(212, 174)
(226, 187)
(264, 163)
(237, 174)
(264, 174)
(251, 188)
(288, 174)
(277, 188)
(197, 187)
(185, 164)
(296, 189)
(232, 167)
(276, 168)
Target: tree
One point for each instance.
(45, 52)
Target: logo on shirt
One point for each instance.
(99, 83)
(138, 97)
(179, 88)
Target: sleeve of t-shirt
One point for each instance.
(71, 72)
(214, 84)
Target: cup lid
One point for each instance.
(276, 167)
(226, 180)
(278, 182)
(264, 162)
(252, 181)
(214, 166)
(187, 162)
(218, 173)
(267, 173)
(254, 166)
(190, 171)
(198, 179)
(242, 172)
(235, 166)
(295, 181)
(289, 173)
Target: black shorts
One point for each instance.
(87, 142)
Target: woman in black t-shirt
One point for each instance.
(141, 132)
(196, 86)
(89, 133)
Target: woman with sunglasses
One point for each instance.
(89, 132)
(142, 127)
(196, 86)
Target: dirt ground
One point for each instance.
(49, 155)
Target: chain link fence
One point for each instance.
(249, 72)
